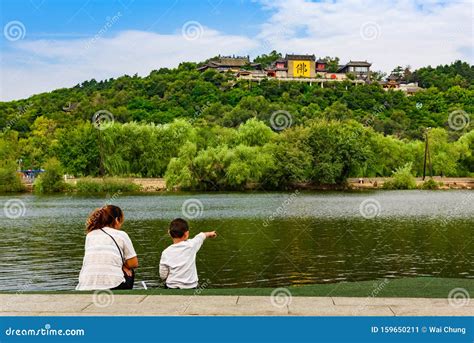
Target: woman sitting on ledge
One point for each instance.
(109, 257)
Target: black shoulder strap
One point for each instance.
(120, 250)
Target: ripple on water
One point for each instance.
(319, 238)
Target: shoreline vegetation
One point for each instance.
(148, 185)
(210, 131)
(89, 185)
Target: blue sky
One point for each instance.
(75, 18)
(49, 44)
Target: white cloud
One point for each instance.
(407, 32)
(416, 33)
(43, 65)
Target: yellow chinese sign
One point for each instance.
(301, 69)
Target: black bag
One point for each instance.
(129, 280)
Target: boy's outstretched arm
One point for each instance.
(199, 239)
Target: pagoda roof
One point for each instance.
(300, 57)
(358, 64)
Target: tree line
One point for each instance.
(211, 131)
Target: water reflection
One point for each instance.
(316, 238)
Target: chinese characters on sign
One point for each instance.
(301, 69)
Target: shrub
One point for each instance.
(106, 185)
(431, 184)
(402, 178)
(51, 180)
(9, 179)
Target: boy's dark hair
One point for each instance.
(178, 227)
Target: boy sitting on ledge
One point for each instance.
(178, 261)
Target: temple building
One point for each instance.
(394, 82)
(301, 65)
(321, 66)
(361, 69)
(279, 68)
(293, 67)
(230, 63)
(306, 66)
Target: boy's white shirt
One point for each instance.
(178, 263)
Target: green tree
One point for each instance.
(254, 133)
(292, 159)
(267, 60)
(444, 155)
(78, 150)
(339, 149)
(332, 64)
(402, 178)
(51, 180)
(9, 179)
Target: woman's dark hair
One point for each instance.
(102, 217)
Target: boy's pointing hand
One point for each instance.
(211, 234)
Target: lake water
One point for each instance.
(265, 239)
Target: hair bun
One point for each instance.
(102, 217)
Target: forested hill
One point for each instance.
(217, 98)
(208, 111)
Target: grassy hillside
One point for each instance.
(223, 133)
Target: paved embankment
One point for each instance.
(108, 304)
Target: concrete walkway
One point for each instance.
(108, 304)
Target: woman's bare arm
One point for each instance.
(131, 263)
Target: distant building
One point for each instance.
(279, 68)
(321, 65)
(252, 74)
(395, 82)
(410, 88)
(392, 82)
(361, 69)
(304, 68)
(296, 66)
(230, 63)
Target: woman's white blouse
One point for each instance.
(102, 264)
